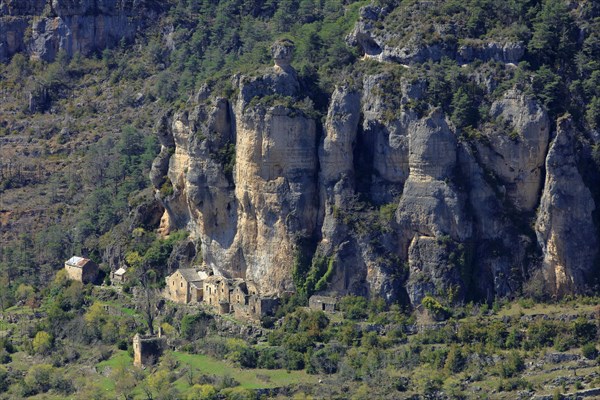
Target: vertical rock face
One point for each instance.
(276, 170)
(399, 207)
(43, 28)
(431, 210)
(337, 189)
(517, 155)
(564, 227)
(249, 218)
(387, 196)
(385, 139)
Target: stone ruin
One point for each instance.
(147, 349)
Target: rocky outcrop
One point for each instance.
(276, 171)
(564, 226)
(43, 28)
(515, 153)
(431, 210)
(244, 178)
(508, 52)
(387, 198)
(408, 46)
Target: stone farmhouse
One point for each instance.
(225, 295)
(185, 286)
(239, 297)
(81, 269)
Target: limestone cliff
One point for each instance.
(42, 28)
(248, 218)
(399, 207)
(391, 193)
(409, 45)
(565, 229)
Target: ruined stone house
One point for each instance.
(147, 349)
(81, 269)
(214, 290)
(185, 286)
(323, 303)
(237, 296)
(256, 307)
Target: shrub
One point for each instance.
(589, 351)
(455, 360)
(4, 382)
(241, 353)
(268, 358)
(195, 326)
(354, 307)
(5, 358)
(293, 360)
(437, 310)
(238, 393)
(42, 343)
(513, 384)
(202, 392)
(584, 330)
(512, 365)
(299, 342)
(541, 334)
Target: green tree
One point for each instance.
(25, 292)
(464, 112)
(554, 34)
(592, 113)
(125, 382)
(455, 360)
(549, 89)
(38, 379)
(42, 343)
(354, 307)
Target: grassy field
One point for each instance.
(120, 358)
(516, 309)
(248, 378)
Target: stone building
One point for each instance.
(322, 303)
(255, 307)
(118, 277)
(81, 269)
(185, 286)
(214, 290)
(238, 297)
(147, 349)
(239, 292)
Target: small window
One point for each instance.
(181, 284)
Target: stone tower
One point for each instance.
(147, 349)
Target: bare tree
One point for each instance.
(148, 300)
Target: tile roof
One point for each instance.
(77, 261)
(190, 274)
